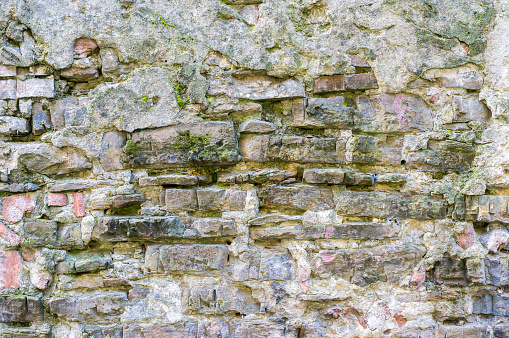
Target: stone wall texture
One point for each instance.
(254, 168)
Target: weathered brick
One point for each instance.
(119, 229)
(78, 204)
(462, 77)
(10, 269)
(208, 143)
(388, 113)
(7, 71)
(211, 199)
(256, 127)
(260, 328)
(217, 300)
(171, 179)
(325, 175)
(77, 184)
(442, 156)
(14, 207)
(300, 197)
(8, 235)
(252, 86)
(10, 125)
(364, 149)
(181, 200)
(384, 263)
(181, 329)
(276, 266)
(328, 113)
(449, 271)
(390, 205)
(60, 109)
(193, 258)
(57, 200)
(7, 89)
(85, 46)
(488, 208)
(36, 88)
(335, 83)
(21, 309)
(100, 307)
(469, 108)
(497, 270)
(41, 120)
(40, 232)
(80, 75)
(345, 230)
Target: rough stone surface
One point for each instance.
(254, 168)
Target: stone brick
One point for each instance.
(218, 300)
(257, 177)
(449, 271)
(193, 258)
(10, 269)
(57, 200)
(276, 266)
(215, 199)
(171, 179)
(181, 200)
(475, 270)
(466, 238)
(384, 263)
(10, 125)
(181, 329)
(112, 146)
(488, 208)
(462, 77)
(345, 230)
(336, 83)
(246, 266)
(389, 113)
(299, 197)
(61, 111)
(8, 235)
(364, 149)
(389, 205)
(442, 156)
(328, 113)
(36, 88)
(80, 75)
(261, 328)
(44, 158)
(497, 271)
(14, 207)
(160, 148)
(78, 205)
(265, 148)
(7, 71)
(256, 127)
(254, 86)
(100, 307)
(250, 14)
(78, 184)
(469, 108)
(7, 89)
(120, 229)
(41, 120)
(20, 309)
(40, 232)
(326, 175)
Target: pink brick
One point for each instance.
(9, 235)
(85, 46)
(14, 207)
(57, 200)
(10, 269)
(418, 278)
(79, 204)
(466, 239)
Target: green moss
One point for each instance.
(131, 148)
(144, 98)
(200, 148)
(180, 101)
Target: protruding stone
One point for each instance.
(299, 197)
(171, 179)
(466, 239)
(326, 175)
(20, 309)
(85, 46)
(181, 200)
(462, 77)
(256, 127)
(80, 75)
(7, 71)
(495, 238)
(40, 232)
(337, 83)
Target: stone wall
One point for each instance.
(254, 168)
